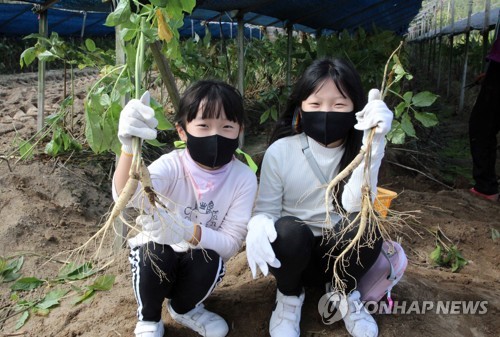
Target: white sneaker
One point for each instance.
(285, 320)
(357, 319)
(204, 322)
(149, 329)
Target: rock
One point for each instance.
(6, 128)
(6, 119)
(32, 111)
(19, 115)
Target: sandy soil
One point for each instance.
(49, 206)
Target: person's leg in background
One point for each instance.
(484, 124)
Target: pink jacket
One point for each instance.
(494, 54)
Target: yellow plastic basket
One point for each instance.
(383, 201)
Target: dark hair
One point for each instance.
(216, 95)
(347, 80)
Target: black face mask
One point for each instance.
(326, 127)
(212, 151)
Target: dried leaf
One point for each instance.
(164, 31)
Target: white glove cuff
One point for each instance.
(127, 149)
(259, 220)
(188, 227)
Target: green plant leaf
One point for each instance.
(398, 68)
(16, 264)
(93, 132)
(9, 276)
(274, 114)
(103, 283)
(265, 116)
(407, 125)
(24, 304)
(27, 57)
(52, 299)
(159, 3)
(71, 271)
(9, 268)
(14, 297)
(408, 97)
(26, 150)
(427, 119)
(396, 135)
(85, 297)
(155, 142)
(128, 34)
(105, 101)
(54, 118)
(424, 99)
(22, 320)
(447, 258)
(458, 261)
(435, 255)
(47, 56)
(26, 283)
(119, 15)
(400, 109)
(163, 122)
(52, 148)
(3, 265)
(495, 234)
(90, 45)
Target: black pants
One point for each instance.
(484, 124)
(188, 278)
(303, 259)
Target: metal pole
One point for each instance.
(451, 47)
(440, 41)
(466, 58)
(289, 55)
(83, 24)
(241, 65)
(241, 56)
(434, 41)
(43, 28)
(120, 229)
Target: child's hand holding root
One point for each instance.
(163, 228)
(374, 114)
(137, 119)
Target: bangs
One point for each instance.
(215, 99)
(216, 107)
(321, 82)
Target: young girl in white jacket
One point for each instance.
(325, 113)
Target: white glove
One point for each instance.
(261, 233)
(137, 119)
(162, 228)
(374, 114)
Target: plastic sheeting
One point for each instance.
(20, 20)
(477, 22)
(309, 16)
(312, 15)
(23, 21)
(78, 5)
